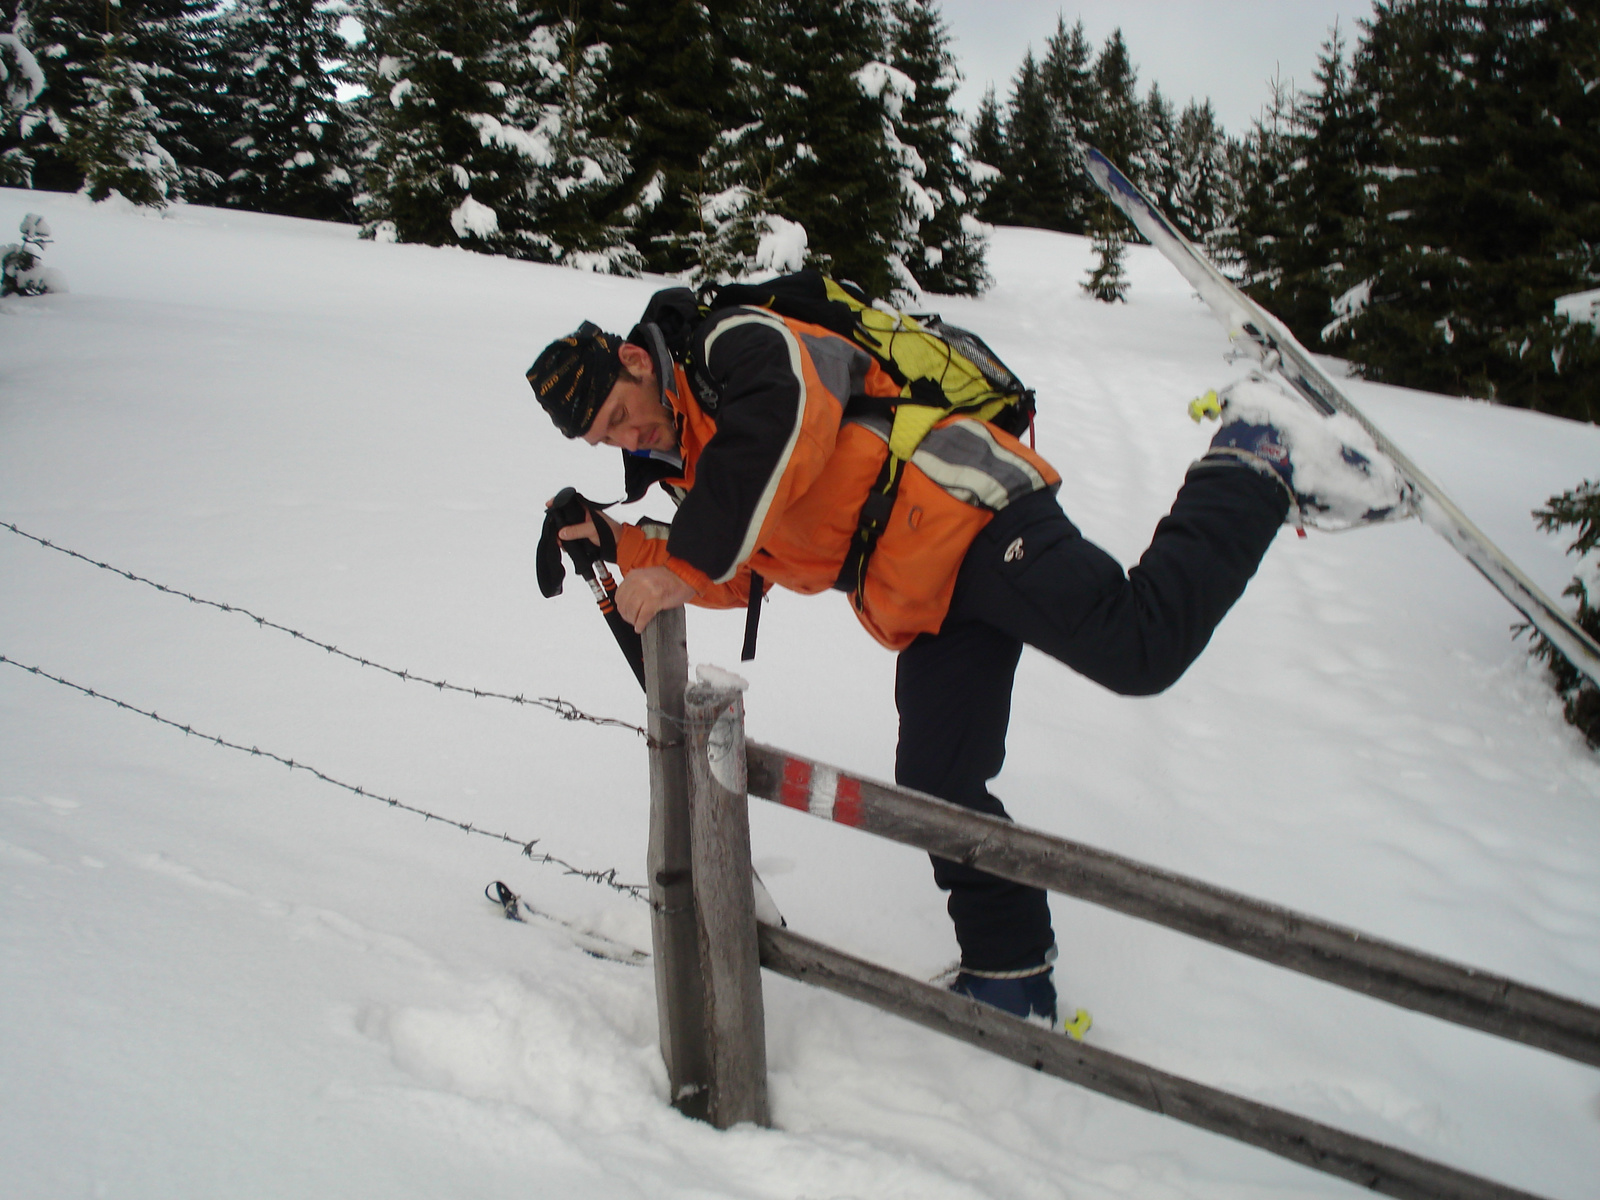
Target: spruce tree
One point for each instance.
(1577, 509)
(1260, 166)
(1107, 282)
(670, 88)
(1483, 201)
(941, 251)
(1155, 163)
(1119, 133)
(287, 133)
(114, 137)
(986, 152)
(586, 166)
(1201, 192)
(1036, 164)
(75, 31)
(1069, 83)
(469, 144)
(177, 40)
(1119, 123)
(117, 74)
(1313, 257)
(812, 152)
(21, 84)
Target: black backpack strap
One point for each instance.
(675, 312)
(752, 616)
(874, 519)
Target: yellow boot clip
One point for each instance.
(1078, 1025)
(1205, 406)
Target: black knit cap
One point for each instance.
(574, 375)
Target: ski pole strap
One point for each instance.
(752, 616)
(505, 898)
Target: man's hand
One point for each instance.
(647, 591)
(586, 530)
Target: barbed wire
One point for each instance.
(607, 878)
(564, 709)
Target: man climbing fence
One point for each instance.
(781, 441)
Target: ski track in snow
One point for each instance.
(223, 977)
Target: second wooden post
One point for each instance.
(724, 901)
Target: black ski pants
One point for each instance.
(1031, 578)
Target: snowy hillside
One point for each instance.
(221, 977)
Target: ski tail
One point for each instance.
(1255, 331)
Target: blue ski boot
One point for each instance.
(1029, 993)
(1028, 996)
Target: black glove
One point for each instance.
(570, 507)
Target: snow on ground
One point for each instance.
(223, 977)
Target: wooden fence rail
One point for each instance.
(1373, 1165)
(1383, 970)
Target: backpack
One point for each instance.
(941, 369)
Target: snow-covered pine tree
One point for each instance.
(1154, 164)
(1203, 190)
(669, 89)
(114, 137)
(151, 74)
(287, 133)
(67, 37)
(20, 271)
(1069, 82)
(1119, 133)
(1259, 166)
(1482, 203)
(986, 151)
(176, 43)
(810, 159)
(585, 167)
(893, 89)
(21, 84)
(944, 251)
(1325, 199)
(1107, 281)
(1035, 187)
(1576, 509)
(740, 232)
(464, 112)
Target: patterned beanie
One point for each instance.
(574, 375)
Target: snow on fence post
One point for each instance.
(724, 899)
(680, 987)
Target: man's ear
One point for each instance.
(637, 360)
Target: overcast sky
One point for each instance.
(1227, 50)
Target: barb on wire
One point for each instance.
(606, 878)
(564, 709)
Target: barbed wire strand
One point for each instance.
(564, 709)
(606, 878)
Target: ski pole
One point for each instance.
(586, 561)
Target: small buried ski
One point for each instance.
(1255, 332)
(596, 945)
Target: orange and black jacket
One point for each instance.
(775, 463)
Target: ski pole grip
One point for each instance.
(570, 509)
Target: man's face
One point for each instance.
(633, 416)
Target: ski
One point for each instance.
(1255, 332)
(515, 908)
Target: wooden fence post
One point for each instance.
(725, 903)
(680, 988)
